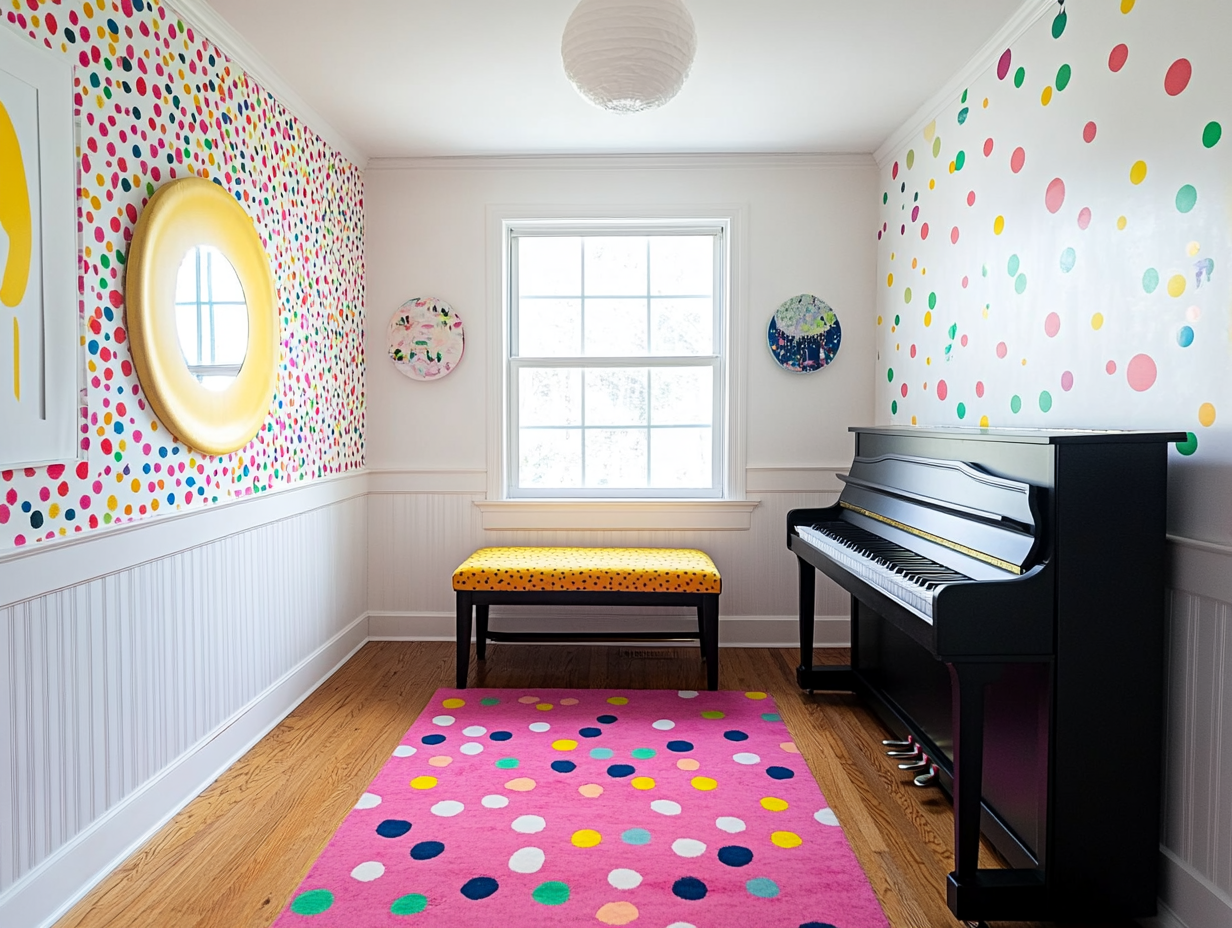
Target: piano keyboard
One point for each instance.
(907, 577)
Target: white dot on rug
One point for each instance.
(444, 721)
(746, 758)
(826, 817)
(526, 860)
(495, 802)
(681, 925)
(471, 747)
(688, 847)
(729, 824)
(448, 809)
(368, 801)
(624, 879)
(687, 694)
(663, 725)
(528, 824)
(665, 807)
(539, 726)
(474, 731)
(404, 750)
(369, 871)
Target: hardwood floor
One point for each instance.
(235, 854)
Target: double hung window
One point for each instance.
(615, 367)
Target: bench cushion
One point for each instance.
(631, 570)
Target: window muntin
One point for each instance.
(616, 384)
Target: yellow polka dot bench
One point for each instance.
(586, 577)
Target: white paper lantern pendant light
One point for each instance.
(629, 55)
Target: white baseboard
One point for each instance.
(1188, 899)
(47, 892)
(735, 631)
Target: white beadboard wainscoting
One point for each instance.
(423, 525)
(138, 663)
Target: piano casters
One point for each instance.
(913, 754)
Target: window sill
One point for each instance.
(709, 515)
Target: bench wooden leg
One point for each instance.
(481, 632)
(710, 638)
(701, 631)
(464, 637)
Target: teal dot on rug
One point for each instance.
(409, 905)
(643, 753)
(313, 902)
(487, 701)
(552, 892)
(507, 763)
(771, 717)
(636, 836)
(601, 753)
(762, 888)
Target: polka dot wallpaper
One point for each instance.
(156, 100)
(1054, 247)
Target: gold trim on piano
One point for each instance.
(953, 545)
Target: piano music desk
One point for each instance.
(586, 577)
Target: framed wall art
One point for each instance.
(804, 334)
(39, 330)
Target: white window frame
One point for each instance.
(641, 509)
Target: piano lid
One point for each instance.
(1024, 436)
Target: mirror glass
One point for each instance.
(211, 317)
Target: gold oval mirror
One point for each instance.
(201, 316)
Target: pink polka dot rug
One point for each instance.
(524, 809)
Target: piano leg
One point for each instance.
(810, 676)
(808, 596)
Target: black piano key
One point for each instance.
(911, 566)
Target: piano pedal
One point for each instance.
(916, 751)
(891, 743)
(920, 764)
(927, 779)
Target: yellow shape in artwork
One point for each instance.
(1176, 285)
(14, 214)
(1206, 414)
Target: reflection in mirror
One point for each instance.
(211, 317)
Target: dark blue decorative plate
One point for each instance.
(804, 334)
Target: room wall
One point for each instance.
(161, 609)
(1053, 252)
(806, 232)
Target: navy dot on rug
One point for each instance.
(564, 766)
(689, 887)
(780, 773)
(590, 732)
(735, 735)
(620, 770)
(393, 828)
(735, 856)
(501, 735)
(606, 719)
(480, 887)
(680, 747)
(426, 850)
(432, 739)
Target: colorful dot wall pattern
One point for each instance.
(156, 100)
(1082, 280)
(590, 807)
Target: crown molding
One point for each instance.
(682, 161)
(205, 18)
(1028, 14)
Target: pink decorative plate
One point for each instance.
(426, 339)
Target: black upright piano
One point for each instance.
(1007, 614)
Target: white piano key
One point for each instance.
(899, 588)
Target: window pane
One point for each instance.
(680, 458)
(615, 327)
(224, 284)
(549, 328)
(549, 266)
(616, 396)
(550, 458)
(186, 279)
(186, 326)
(682, 265)
(681, 327)
(230, 334)
(549, 397)
(616, 266)
(682, 396)
(616, 458)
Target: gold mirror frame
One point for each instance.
(181, 215)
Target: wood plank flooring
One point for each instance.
(235, 854)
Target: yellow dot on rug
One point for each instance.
(591, 790)
(643, 782)
(454, 703)
(564, 744)
(423, 782)
(440, 761)
(786, 839)
(790, 747)
(544, 706)
(687, 763)
(587, 837)
(774, 804)
(712, 714)
(619, 700)
(755, 695)
(705, 784)
(521, 785)
(617, 913)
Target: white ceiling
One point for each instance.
(406, 78)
